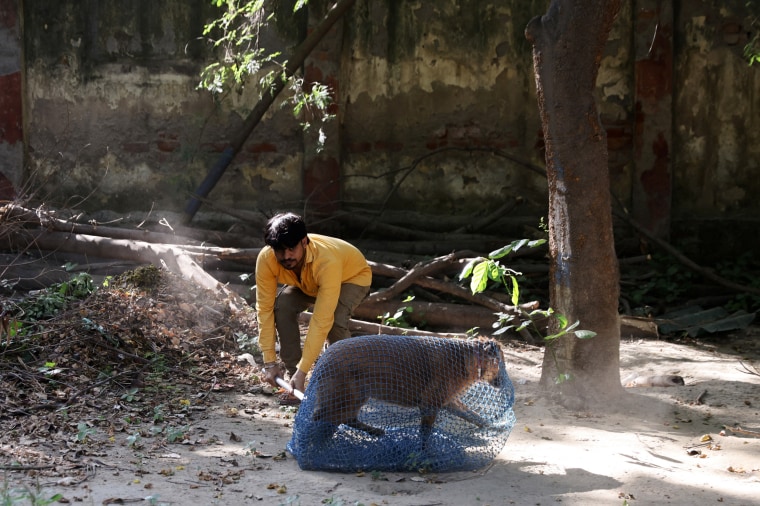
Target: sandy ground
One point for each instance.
(672, 449)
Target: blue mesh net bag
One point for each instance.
(404, 403)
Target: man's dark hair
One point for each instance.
(284, 230)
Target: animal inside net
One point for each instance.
(404, 403)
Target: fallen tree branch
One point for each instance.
(368, 328)
(181, 235)
(370, 224)
(421, 269)
(481, 223)
(668, 248)
(430, 314)
(174, 258)
(451, 288)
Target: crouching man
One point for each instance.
(295, 271)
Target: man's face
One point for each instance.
(292, 258)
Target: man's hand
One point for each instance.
(271, 371)
(298, 380)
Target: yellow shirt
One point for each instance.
(328, 263)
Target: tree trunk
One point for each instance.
(584, 277)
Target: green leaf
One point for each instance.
(523, 325)
(495, 271)
(514, 246)
(585, 334)
(535, 243)
(515, 291)
(479, 279)
(501, 252)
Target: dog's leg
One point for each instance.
(466, 413)
(426, 426)
(372, 431)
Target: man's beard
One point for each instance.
(289, 264)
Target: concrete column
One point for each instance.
(322, 170)
(653, 115)
(11, 111)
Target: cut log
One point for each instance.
(458, 317)
(361, 327)
(173, 258)
(12, 213)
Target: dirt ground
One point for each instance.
(672, 449)
(139, 396)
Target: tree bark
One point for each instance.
(584, 276)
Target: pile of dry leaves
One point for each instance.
(138, 356)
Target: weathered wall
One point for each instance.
(11, 118)
(426, 91)
(114, 113)
(716, 129)
(431, 78)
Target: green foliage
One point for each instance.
(134, 440)
(50, 301)
(247, 343)
(130, 395)
(26, 496)
(485, 270)
(667, 281)
(488, 269)
(752, 49)
(84, 431)
(743, 270)
(174, 434)
(397, 318)
(236, 39)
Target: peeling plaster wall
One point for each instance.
(427, 90)
(416, 97)
(116, 121)
(719, 122)
(717, 128)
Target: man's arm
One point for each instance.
(329, 279)
(266, 293)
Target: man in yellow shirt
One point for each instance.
(293, 272)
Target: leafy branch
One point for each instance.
(482, 271)
(236, 36)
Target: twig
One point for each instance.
(753, 371)
(743, 432)
(11, 467)
(491, 217)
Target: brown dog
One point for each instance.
(428, 373)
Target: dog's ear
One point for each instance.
(491, 349)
